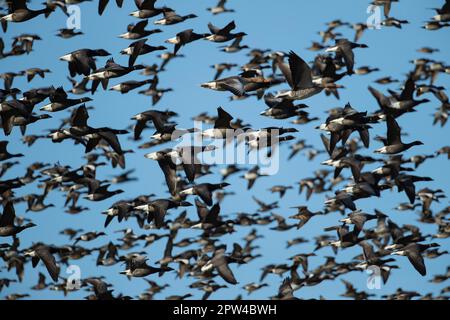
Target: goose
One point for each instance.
(280, 189)
(393, 22)
(159, 119)
(65, 33)
(386, 4)
(32, 72)
(110, 250)
(351, 292)
(19, 12)
(184, 37)
(222, 126)
(127, 86)
(252, 175)
(23, 122)
(137, 31)
(139, 48)
(284, 111)
(220, 8)
(59, 101)
(204, 191)
(304, 215)
(208, 287)
(8, 78)
(82, 61)
(297, 147)
(394, 142)
(100, 193)
(209, 218)
(88, 236)
(263, 207)
(414, 253)
(100, 288)
(405, 182)
(386, 80)
(167, 165)
(41, 285)
(435, 25)
(428, 50)
(137, 267)
(229, 170)
(344, 48)
(443, 14)
(146, 9)
(223, 35)
(220, 263)
(358, 218)
(155, 92)
(221, 67)
(157, 209)
(4, 154)
(235, 46)
(43, 252)
(36, 203)
(26, 41)
(299, 77)
(111, 70)
(315, 46)
(124, 177)
(365, 70)
(171, 17)
(302, 258)
(398, 104)
(15, 51)
(234, 84)
(359, 30)
(79, 87)
(7, 226)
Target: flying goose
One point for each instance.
(299, 77)
(344, 48)
(137, 31)
(59, 101)
(4, 154)
(19, 12)
(43, 252)
(171, 17)
(138, 267)
(82, 61)
(7, 226)
(224, 34)
(414, 253)
(146, 9)
(204, 191)
(184, 37)
(394, 143)
(220, 8)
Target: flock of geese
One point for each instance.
(185, 203)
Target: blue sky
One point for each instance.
(277, 25)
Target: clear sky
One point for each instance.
(278, 25)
